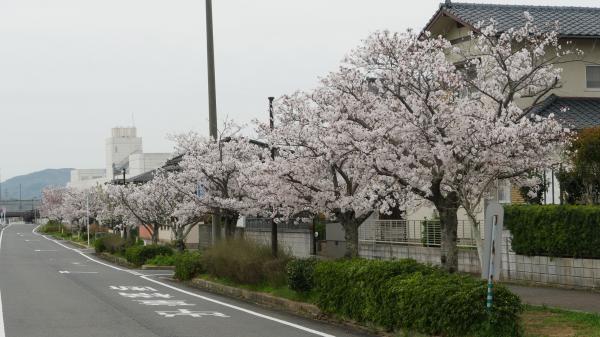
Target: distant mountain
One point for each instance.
(32, 184)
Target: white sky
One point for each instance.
(72, 69)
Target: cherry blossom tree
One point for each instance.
(52, 203)
(213, 168)
(317, 168)
(448, 147)
(411, 117)
(163, 202)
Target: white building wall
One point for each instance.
(144, 162)
(86, 178)
(124, 142)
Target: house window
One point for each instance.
(504, 191)
(592, 75)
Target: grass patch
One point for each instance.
(282, 291)
(550, 322)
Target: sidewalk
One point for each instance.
(580, 300)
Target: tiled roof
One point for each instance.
(573, 112)
(573, 21)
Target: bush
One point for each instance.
(187, 265)
(52, 227)
(162, 260)
(112, 244)
(407, 295)
(554, 230)
(138, 255)
(245, 262)
(300, 274)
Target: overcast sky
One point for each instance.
(72, 69)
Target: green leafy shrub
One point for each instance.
(406, 295)
(52, 227)
(554, 230)
(112, 243)
(245, 262)
(300, 274)
(162, 260)
(138, 255)
(187, 265)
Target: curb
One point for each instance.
(153, 267)
(270, 301)
(306, 310)
(116, 260)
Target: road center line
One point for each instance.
(231, 306)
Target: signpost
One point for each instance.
(492, 248)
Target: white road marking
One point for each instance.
(145, 295)
(133, 288)
(2, 331)
(77, 272)
(196, 314)
(32, 240)
(168, 303)
(45, 250)
(231, 306)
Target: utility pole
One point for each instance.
(212, 102)
(20, 198)
(274, 247)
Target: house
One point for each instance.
(576, 103)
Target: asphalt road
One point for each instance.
(50, 289)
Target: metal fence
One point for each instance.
(413, 232)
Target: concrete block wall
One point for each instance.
(566, 272)
(298, 243)
(468, 261)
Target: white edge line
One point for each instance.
(145, 277)
(2, 331)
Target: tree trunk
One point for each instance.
(155, 231)
(230, 220)
(448, 208)
(351, 236)
(274, 246)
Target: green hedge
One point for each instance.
(187, 265)
(300, 274)
(554, 230)
(403, 294)
(138, 255)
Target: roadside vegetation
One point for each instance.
(550, 322)
(393, 295)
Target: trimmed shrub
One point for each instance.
(99, 246)
(162, 260)
(187, 265)
(245, 262)
(138, 255)
(554, 230)
(406, 295)
(300, 274)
